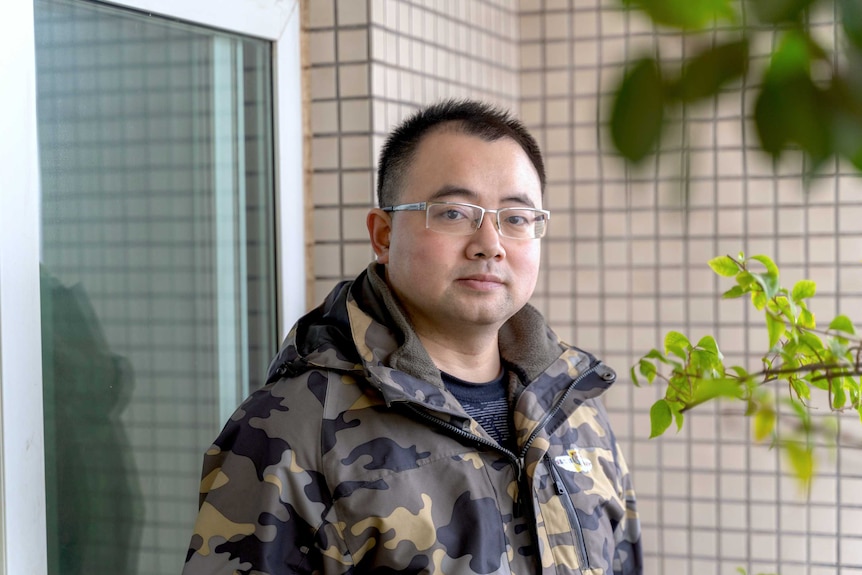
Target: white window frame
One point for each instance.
(23, 539)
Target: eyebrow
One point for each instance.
(451, 193)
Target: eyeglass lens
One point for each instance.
(462, 219)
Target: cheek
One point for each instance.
(418, 249)
(411, 259)
(527, 260)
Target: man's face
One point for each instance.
(453, 283)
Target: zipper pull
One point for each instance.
(518, 507)
(555, 476)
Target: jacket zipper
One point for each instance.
(574, 520)
(557, 406)
(516, 460)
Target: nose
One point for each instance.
(485, 242)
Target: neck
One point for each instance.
(475, 360)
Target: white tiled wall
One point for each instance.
(625, 260)
(372, 62)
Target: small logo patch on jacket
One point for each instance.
(575, 461)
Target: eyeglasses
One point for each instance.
(458, 219)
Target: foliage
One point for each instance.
(806, 96)
(801, 358)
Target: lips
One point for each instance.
(489, 278)
(482, 282)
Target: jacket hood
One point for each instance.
(361, 325)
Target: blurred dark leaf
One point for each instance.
(851, 20)
(686, 14)
(705, 73)
(779, 11)
(790, 109)
(845, 104)
(800, 119)
(792, 56)
(638, 111)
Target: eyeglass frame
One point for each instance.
(423, 207)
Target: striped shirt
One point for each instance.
(487, 403)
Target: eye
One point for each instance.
(519, 218)
(454, 214)
(516, 220)
(450, 213)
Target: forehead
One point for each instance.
(486, 169)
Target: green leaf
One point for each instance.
(806, 319)
(647, 369)
(677, 344)
(638, 111)
(838, 346)
(792, 56)
(776, 328)
(844, 96)
(820, 384)
(782, 305)
(843, 323)
(758, 298)
(740, 372)
(724, 266)
(839, 395)
(853, 386)
(851, 19)
(660, 418)
(706, 72)
(709, 389)
(771, 268)
(803, 289)
(703, 363)
(778, 11)
(768, 282)
(707, 343)
(678, 417)
(804, 119)
(745, 280)
(801, 388)
(734, 292)
(811, 341)
(656, 354)
(764, 423)
(801, 460)
(686, 14)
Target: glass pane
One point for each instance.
(157, 271)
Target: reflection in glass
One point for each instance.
(158, 270)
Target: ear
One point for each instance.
(379, 225)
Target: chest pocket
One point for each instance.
(580, 504)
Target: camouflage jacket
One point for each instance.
(355, 459)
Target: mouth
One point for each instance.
(482, 282)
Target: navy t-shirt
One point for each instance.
(487, 403)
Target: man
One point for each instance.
(424, 418)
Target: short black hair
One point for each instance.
(469, 117)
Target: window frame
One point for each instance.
(23, 538)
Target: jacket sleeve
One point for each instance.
(628, 557)
(263, 508)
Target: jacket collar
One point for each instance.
(362, 325)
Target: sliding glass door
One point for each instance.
(158, 270)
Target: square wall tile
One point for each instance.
(353, 45)
(353, 80)
(321, 13)
(327, 224)
(321, 47)
(351, 12)
(355, 116)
